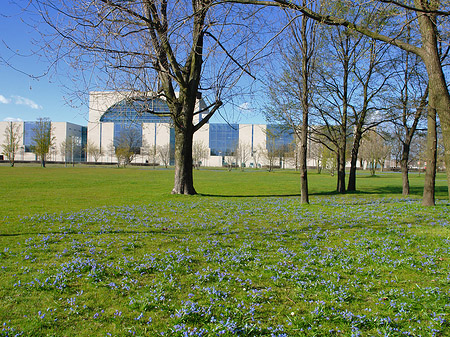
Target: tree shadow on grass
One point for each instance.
(417, 191)
(249, 195)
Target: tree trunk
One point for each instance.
(439, 97)
(430, 174)
(404, 167)
(341, 171)
(303, 160)
(305, 107)
(352, 175)
(343, 127)
(184, 181)
(354, 160)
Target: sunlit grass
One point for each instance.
(117, 255)
(26, 190)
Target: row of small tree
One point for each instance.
(374, 151)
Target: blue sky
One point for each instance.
(23, 97)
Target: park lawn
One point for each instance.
(117, 255)
(29, 190)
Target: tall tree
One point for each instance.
(12, 138)
(371, 74)
(290, 92)
(408, 101)
(163, 48)
(335, 93)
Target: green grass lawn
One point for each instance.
(29, 190)
(109, 252)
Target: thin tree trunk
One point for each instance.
(354, 160)
(430, 174)
(404, 167)
(305, 108)
(343, 136)
(303, 161)
(341, 171)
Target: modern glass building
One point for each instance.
(279, 137)
(114, 115)
(137, 111)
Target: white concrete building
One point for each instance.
(71, 135)
(111, 114)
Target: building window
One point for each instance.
(223, 139)
(137, 111)
(278, 137)
(28, 134)
(128, 135)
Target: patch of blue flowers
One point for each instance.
(249, 267)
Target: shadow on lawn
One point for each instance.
(441, 191)
(248, 195)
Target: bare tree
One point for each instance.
(11, 146)
(200, 152)
(409, 98)
(164, 152)
(180, 51)
(93, 151)
(372, 74)
(243, 154)
(42, 139)
(290, 92)
(374, 150)
(346, 93)
(270, 152)
(128, 145)
(406, 126)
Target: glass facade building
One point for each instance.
(137, 111)
(278, 137)
(223, 139)
(112, 115)
(131, 134)
(128, 116)
(28, 134)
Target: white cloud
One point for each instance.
(245, 107)
(26, 101)
(4, 100)
(12, 119)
